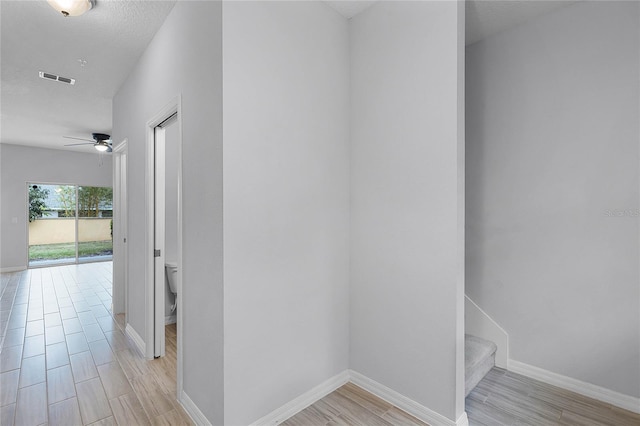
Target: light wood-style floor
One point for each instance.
(506, 398)
(352, 405)
(65, 360)
(502, 398)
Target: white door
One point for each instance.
(160, 225)
(120, 228)
(159, 273)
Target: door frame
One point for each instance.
(151, 320)
(120, 230)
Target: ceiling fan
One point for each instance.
(101, 142)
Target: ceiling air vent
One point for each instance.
(54, 77)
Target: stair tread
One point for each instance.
(479, 358)
(476, 350)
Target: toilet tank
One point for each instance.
(171, 269)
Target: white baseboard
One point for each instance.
(303, 401)
(587, 389)
(402, 402)
(193, 411)
(137, 340)
(463, 420)
(13, 269)
(171, 319)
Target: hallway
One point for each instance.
(66, 361)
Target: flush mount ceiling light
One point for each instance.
(71, 7)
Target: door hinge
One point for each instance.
(156, 253)
(125, 240)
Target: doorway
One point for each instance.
(166, 230)
(164, 238)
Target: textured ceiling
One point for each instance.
(34, 37)
(110, 38)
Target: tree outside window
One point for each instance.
(93, 199)
(37, 204)
(67, 201)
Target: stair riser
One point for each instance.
(472, 378)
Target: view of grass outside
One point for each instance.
(68, 250)
(61, 216)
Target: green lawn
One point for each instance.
(64, 251)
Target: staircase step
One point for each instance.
(479, 358)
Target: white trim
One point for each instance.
(120, 204)
(587, 389)
(13, 269)
(480, 324)
(298, 404)
(463, 420)
(179, 275)
(26, 224)
(308, 398)
(460, 374)
(467, 298)
(192, 410)
(77, 221)
(159, 222)
(402, 402)
(170, 319)
(149, 240)
(135, 338)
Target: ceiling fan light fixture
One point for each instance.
(71, 7)
(101, 146)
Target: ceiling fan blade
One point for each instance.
(109, 149)
(83, 143)
(80, 139)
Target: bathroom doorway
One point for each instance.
(167, 227)
(164, 287)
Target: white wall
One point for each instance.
(552, 147)
(21, 164)
(184, 58)
(286, 98)
(407, 209)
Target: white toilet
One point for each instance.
(171, 270)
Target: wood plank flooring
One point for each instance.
(506, 398)
(352, 405)
(502, 398)
(64, 359)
